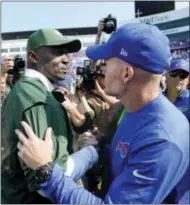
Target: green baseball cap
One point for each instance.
(51, 37)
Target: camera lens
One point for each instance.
(20, 64)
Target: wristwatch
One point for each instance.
(43, 173)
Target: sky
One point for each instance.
(24, 16)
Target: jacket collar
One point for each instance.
(35, 74)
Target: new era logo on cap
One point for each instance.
(123, 52)
(57, 33)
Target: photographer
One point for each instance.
(7, 65)
(101, 104)
(15, 71)
(93, 86)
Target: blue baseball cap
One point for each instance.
(179, 63)
(138, 44)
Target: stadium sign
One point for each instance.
(155, 19)
(165, 17)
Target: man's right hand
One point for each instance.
(32, 150)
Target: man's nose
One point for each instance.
(65, 59)
(179, 79)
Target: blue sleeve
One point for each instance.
(148, 177)
(62, 190)
(79, 162)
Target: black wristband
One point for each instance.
(43, 173)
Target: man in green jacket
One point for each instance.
(31, 100)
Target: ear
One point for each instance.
(32, 57)
(128, 73)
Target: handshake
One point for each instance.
(36, 152)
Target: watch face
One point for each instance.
(43, 173)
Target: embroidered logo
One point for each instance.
(138, 175)
(57, 33)
(122, 148)
(123, 52)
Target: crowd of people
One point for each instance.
(126, 140)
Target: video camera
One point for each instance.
(19, 65)
(89, 75)
(110, 24)
(88, 72)
(18, 69)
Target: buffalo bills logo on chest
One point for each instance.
(122, 148)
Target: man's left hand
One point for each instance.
(32, 150)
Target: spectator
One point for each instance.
(102, 105)
(177, 81)
(6, 65)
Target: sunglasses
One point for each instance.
(179, 73)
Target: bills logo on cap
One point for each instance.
(122, 148)
(181, 64)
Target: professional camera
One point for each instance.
(19, 65)
(18, 69)
(89, 76)
(110, 24)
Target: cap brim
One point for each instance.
(185, 69)
(71, 46)
(97, 52)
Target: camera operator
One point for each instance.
(93, 85)
(7, 65)
(101, 104)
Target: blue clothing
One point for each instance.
(149, 158)
(81, 161)
(134, 41)
(182, 103)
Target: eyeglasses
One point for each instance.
(179, 73)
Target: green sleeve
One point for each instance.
(40, 117)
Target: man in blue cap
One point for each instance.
(177, 81)
(148, 139)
